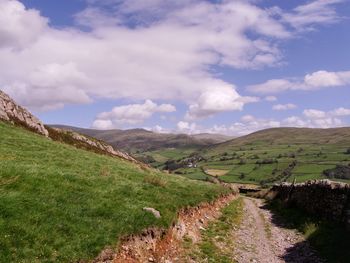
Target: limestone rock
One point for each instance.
(104, 147)
(153, 211)
(10, 111)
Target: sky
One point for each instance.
(185, 66)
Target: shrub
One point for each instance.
(242, 161)
(266, 161)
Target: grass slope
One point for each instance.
(62, 204)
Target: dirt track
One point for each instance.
(263, 238)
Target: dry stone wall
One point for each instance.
(10, 111)
(324, 198)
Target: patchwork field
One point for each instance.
(267, 161)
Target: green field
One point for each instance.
(276, 157)
(62, 204)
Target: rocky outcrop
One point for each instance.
(90, 144)
(324, 198)
(10, 111)
(103, 146)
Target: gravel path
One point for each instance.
(263, 238)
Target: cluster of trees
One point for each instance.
(146, 159)
(284, 175)
(339, 172)
(267, 161)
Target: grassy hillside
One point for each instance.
(62, 204)
(276, 155)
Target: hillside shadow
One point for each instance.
(327, 240)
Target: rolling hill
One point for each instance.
(291, 135)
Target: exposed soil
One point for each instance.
(156, 245)
(262, 237)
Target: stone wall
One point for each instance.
(324, 198)
(10, 111)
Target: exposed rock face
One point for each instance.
(81, 141)
(10, 111)
(323, 198)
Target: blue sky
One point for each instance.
(190, 66)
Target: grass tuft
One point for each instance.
(154, 180)
(216, 244)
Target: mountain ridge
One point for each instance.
(144, 140)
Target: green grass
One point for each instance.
(330, 239)
(62, 204)
(216, 245)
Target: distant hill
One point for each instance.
(288, 135)
(134, 140)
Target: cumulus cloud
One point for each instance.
(282, 107)
(19, 27)
(215, 100)
(130, 114)
(314, 81)
(187, 127)
(123, 54)
(314, 114)
(311, 118)
(339, 112)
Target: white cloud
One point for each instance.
(282, 107)
(313, 122)
(130, 114)
(270, 98)
(324, 78)
(314, 114)
(271, 86)
(103, 124)
(317, 80)
(215, 100)
(167, 56)
(313, 118)
(251, 124)
(304, 17)
(187, 127)
(340, 112)
(19, 27)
